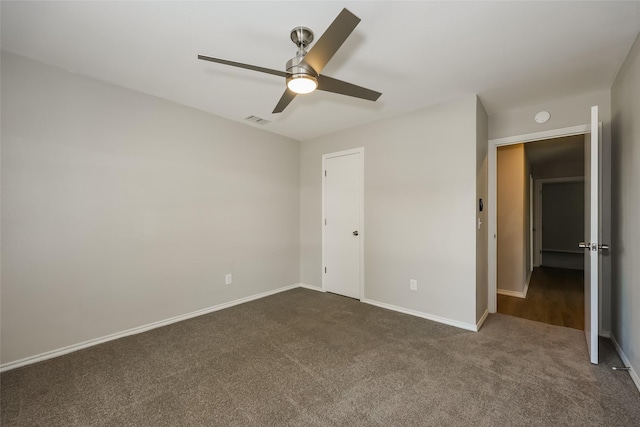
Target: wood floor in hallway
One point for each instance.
(555, 296)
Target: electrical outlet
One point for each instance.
(413, 284)
(228, 279)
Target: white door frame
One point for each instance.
(532, 224)
(537, 224)
(492, 161)
(361, 232)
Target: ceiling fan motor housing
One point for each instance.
(296, 66)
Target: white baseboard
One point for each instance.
(605, 334)
(457, 324)
(482, 319)
(511, 293)
(137, 330)
(517, 294)
(312, 287)
(526, 285)
(625, 360)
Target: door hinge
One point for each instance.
(325, 173)
(325, 270)
(325, 221)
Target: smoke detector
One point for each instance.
(542, 117)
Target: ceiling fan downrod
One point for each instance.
(301, 37)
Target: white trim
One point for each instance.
(511, 293)
(562, 251)
(625, 360)
(482, 319)
(137, 330)
(526, 284)
(444, 320)
(532, 237)
(537, 220)
(537, 136)
(492, 228)
(605, 334)
(362, 234)
(492, 157)
(559, 180)
(312, 287)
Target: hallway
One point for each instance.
(555, 296)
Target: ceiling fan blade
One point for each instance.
(328, 44)
(329, 84)
(286, 98)
(247, 66)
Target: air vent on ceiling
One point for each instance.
(256, 119)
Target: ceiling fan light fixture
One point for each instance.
(302, 83)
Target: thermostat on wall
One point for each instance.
(542, 116)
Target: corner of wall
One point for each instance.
(482, 223)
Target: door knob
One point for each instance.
(355, 233)
(593, 247)
(587, 246)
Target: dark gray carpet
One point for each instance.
(305, 358)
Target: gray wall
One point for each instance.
(567, 112)
(563, 224)
(120, 209)
(626, 191)
(420, 208)
(562, 215)
(482, 236)
(559, 169)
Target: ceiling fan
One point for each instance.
(303, 72)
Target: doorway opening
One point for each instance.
(597, 219)
(540, 220)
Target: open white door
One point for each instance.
(591, 242)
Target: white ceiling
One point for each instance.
(416, 53)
